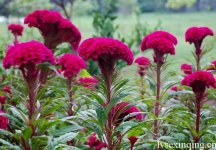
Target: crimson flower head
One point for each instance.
(2, 100)
(176, 88)
(123, 109)
(197, 34)
(212, 66)
(161, 42)
(89, 82)
(71, 65)
(187, 69)
(3, 121)
(54, 28)
(16, 29)
(132, 140)
(94, 142)
(106, 51)
(143, 64)
(29, 54)
(199, 81)
(7, 89)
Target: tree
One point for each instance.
(177, 4)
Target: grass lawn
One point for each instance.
(174, 22)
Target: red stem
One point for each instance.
(157, 103)
(198, 112)
(70, 92)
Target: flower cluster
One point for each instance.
(94, 142)
(212, 66)
(100, 48)
(199, 81)
(3, 121)
(89, 82)
(187, 69)
(123, 109)
(197, 34)
(71, 65)
(161, 42)
(32, 52)
(143, 64)
(54, 28)
(16, 29)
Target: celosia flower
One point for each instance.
(197, 34)
(7, 89)
(123, 109)
(89, 82)
(27, 54)
(199, 81)
(161, 42)
(143, 64)
(2, 100)
(3, 121)
(106, 51)
(71, 65)
(54, 28)
(176, 88)
(212, 66)
(94, 142)
(132, 140)
(186, 68)
(16, 29)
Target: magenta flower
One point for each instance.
(143, 64)
(212, 66)
(27, 54)
(176, 88)
(2, 100)
(3, 121)
(132, 140)
(199, 81)
(94, 142)
(16, 29)
(187, 69)
(89, 82)
(7, 89)
(106, 51)
(123, 109)
(71, 65)
(54, 28)
(161, 42)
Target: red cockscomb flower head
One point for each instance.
(143, 64)
(94, 142)
(161, 42)
(199, 81)
(132, 140)
(89, 82)
(212, 66)
(197, 34)
(54, 28)
(7, 89)
(16, 29)
(2, 100)
(71, 65)
(106, 51)
(27, 54)
(176, 88)
(3, 121)
(123, 109)
(187, 69)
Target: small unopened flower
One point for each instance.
(71, 65)
(199, 81)
(161, 42)
(132, 140)
(212, 66)
(95, 143)
(54, 28)
(176, 88)
(2, 100)
(123, 109)
(7, 89)
(106, 51)
(89, 82)
(3, 121)
(143, 64)
(187, 69)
